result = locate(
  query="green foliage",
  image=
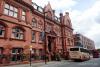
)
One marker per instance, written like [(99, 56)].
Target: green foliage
[(98, 50)]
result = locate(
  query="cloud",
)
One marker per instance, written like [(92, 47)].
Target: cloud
[(88, 22), (59, 5), (56, 3)]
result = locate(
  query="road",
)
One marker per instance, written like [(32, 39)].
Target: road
[(64, 63), (91, 63)]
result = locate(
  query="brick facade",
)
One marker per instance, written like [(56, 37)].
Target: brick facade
[(22, 24)]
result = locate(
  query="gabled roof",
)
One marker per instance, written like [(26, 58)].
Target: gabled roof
[(67, 19), (48, 9)]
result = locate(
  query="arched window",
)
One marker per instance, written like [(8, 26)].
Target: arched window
[(17, 33), (40, 36), (34, 22), (2, 30), (40, 25), (33, 36), (1, 50)]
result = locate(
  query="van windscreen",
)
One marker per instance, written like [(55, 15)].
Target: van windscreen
[(74, 49)]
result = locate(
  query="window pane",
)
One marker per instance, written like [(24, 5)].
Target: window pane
[(13, 35), (17, 33), (14, 51), (34, 22), (10, 13), (17, 30), (23, 17), (33, 35), (15, 9), (23, 12), (6, 6), (21, 36), (15, 15), (6, 11), (2, 33), (14, 30), (11, 7), (40, 36), (40, 9), (35, 7)]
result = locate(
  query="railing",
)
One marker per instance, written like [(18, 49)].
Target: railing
[(40, 9)]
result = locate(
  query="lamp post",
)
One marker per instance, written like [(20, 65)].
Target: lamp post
[(30, 55), (45, 37)]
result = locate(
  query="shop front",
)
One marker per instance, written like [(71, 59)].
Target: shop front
[(17, 54)]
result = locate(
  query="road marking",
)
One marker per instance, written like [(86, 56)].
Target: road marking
[(94, 64)]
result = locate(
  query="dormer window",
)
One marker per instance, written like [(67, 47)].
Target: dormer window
[(40, 9)]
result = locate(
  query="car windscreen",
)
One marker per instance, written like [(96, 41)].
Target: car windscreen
[(74, 49)]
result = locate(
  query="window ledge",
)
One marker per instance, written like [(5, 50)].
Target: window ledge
[(33, 41), (40, 42), (17, 39), (3, 38), (11, 16)]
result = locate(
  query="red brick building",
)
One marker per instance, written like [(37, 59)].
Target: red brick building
[(22, 24)]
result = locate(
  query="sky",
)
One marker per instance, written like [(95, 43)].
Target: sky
[(84, 14)]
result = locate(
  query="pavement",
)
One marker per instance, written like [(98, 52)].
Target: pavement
[(36, 64), (95, 62)]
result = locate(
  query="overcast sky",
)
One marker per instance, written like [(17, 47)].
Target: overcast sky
[(85, 15)]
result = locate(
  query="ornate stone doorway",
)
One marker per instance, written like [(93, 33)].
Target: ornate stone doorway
[(51, 43)]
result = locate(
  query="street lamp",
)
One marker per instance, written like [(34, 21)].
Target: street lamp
[(45, 43), (30, 54)]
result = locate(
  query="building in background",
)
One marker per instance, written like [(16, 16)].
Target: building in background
[(22, 24), (82, 41)]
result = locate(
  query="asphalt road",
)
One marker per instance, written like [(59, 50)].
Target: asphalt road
[(95, 62), (91, 63)]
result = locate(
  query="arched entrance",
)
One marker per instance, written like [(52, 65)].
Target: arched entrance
[(51, 38), (51, 43)]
